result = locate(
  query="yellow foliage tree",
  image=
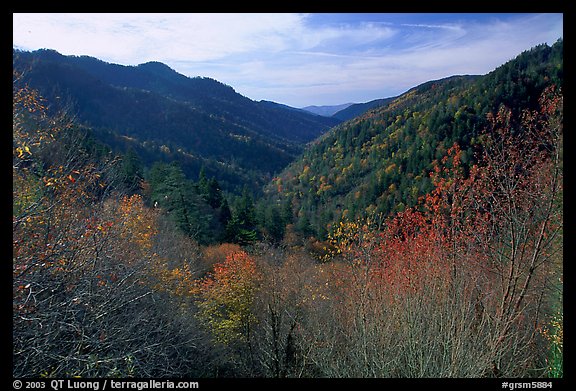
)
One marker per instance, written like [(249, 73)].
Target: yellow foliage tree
[(226, 298)]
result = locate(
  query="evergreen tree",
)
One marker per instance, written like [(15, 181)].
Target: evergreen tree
[(202, 181), (225, 212), (241, 227), (131, 170), (245, 209), (213, 194), (303, 225), (236, 232), (287, 215), (177, 196), (274, 223)]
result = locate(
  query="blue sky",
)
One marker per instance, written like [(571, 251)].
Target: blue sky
[(298, 59)]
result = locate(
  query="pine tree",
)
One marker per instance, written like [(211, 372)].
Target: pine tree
[(242, 226), (274, 223), (213, 194), (132, 170), (225, 212), (176, 195)]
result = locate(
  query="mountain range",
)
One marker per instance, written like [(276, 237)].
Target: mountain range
[(327, 162), (347, 111), (327, 111), (422, 237), (164, 115), (379, 162)]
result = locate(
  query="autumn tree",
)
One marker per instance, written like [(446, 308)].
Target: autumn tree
[(226, 297), (470, 272), (522, 161), (285, 308), (84, 263)]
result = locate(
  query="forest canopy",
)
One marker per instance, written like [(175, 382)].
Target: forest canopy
[(421, 239)]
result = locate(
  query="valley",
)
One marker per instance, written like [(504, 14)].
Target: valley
[(167, 226)]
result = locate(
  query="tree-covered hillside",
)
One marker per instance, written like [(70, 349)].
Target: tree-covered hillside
[(163, 115), (120, 272), (358, 109), (380, 162)]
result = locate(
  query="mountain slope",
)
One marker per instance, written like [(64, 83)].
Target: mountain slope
[(380, 162), (164, 115), (357, 109), (327, 111)]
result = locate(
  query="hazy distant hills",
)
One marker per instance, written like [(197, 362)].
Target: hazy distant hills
[(326, 111), (347, 111), (357, 109), (164, 115)]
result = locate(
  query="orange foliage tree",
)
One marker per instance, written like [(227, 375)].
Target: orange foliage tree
[(470, 271), (226, 296), (84, 262)]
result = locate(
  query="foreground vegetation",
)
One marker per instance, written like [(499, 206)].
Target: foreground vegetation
[(107, 282)]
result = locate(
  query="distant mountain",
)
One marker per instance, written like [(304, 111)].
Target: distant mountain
[(164, 115), (271, 104), (379, 162), (326, 111), (357, 109)]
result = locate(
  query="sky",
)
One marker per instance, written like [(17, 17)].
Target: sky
[(298, 59)]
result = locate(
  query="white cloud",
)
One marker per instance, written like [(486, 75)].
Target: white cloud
[(135, 38), (293, 58)]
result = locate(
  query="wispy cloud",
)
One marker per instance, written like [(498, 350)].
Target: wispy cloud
[(297, 59)]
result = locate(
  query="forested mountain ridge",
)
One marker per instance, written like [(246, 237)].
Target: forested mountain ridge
[(358, 109), (164, 115), (173, 278), (379, 162), (327, 111)]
